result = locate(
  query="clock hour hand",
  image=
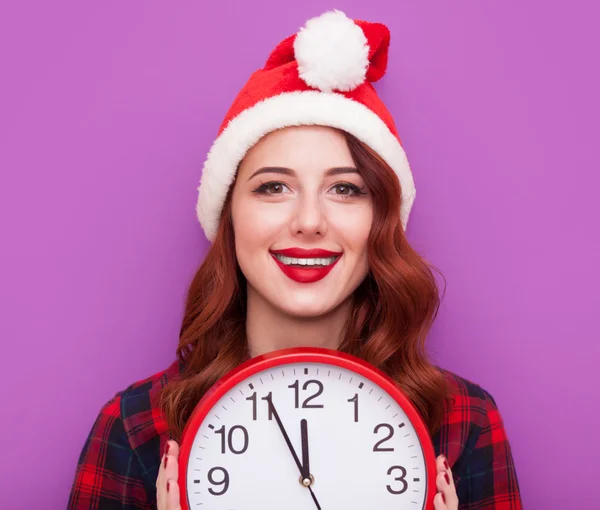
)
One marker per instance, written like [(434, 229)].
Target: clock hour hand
[(305, 471)]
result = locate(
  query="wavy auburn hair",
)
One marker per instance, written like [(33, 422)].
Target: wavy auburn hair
[(393, 309)]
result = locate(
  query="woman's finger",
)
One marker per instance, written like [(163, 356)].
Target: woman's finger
[(168, 470), (438, 502), (161, 497), (445, 484), (173, 501)]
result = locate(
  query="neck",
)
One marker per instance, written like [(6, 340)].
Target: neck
[(269, 329)]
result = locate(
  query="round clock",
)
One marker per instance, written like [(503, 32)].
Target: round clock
[(302, 429)]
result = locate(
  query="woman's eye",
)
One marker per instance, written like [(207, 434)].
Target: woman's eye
[(271, 188), (348, 189)]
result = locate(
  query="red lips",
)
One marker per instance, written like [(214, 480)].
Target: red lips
[(303, 253), (306, 274)]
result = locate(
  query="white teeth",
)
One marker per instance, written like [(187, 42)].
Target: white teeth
[(288, 261)]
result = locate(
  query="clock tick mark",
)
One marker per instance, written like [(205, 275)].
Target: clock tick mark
[(211, 426), (241, 392), (407, 435), (340, 376), (371, 391), (328, 373), (416, 479), (411, 445), (294, 371), (224, 408), (282, 373), (218, 418), (388, 406), (317, 371), (232, 399), (361, 385), (272, 378), (196, 481), (379, 398), (251, 386), (261, 381), (306, 371), (401, 425), (395, 415)]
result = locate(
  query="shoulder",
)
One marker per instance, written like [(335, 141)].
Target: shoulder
[(133, 416), (468, 414), (123, 449), (478, 449), (135, 408), (143, 421)]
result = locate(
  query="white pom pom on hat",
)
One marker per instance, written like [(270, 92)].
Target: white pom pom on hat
[(322, 75), (332, 53)]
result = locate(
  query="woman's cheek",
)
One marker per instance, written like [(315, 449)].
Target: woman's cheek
[(254, 220), (353, 223)]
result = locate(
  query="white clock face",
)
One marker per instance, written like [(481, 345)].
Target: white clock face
[(361, 449)]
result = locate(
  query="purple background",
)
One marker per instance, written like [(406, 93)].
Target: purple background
[(107, 111)]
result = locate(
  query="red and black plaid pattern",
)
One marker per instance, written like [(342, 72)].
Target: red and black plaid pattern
[(119, 462)]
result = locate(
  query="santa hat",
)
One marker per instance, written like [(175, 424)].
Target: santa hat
[(323, 76)]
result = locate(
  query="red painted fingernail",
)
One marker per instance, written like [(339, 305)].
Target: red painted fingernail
[(166, 459), (447, 478), (443, 497), (167, 486), (167, 448)]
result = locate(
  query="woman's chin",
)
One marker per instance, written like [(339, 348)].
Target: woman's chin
[(305, 310)]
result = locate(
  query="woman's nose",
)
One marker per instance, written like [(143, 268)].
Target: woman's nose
[(309, 216)]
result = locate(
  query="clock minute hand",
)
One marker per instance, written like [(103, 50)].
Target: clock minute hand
[(283, 432), (289, 443)]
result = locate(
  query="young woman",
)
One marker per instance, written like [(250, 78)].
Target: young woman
[(305, 196)]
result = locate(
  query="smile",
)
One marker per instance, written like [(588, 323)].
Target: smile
[(291, 261), (306, 266)]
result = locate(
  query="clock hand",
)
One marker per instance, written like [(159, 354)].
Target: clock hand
[(305, 462), (314, 498), (305, 471), (269, 400)]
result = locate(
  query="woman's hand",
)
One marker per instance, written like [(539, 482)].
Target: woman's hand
[(167, 486), (446, 498)]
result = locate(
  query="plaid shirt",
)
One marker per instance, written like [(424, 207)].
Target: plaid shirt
[(119, 463)]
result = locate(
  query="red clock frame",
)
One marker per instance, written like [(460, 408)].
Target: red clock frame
[(303, 355)]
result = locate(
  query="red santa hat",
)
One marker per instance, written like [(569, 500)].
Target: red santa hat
[(321, 75)]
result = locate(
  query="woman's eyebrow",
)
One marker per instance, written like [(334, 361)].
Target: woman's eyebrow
[(288, 171)]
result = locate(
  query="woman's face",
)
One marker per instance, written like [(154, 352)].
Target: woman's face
[(298, 188)]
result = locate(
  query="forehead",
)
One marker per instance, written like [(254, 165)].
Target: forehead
[(299, 147)]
